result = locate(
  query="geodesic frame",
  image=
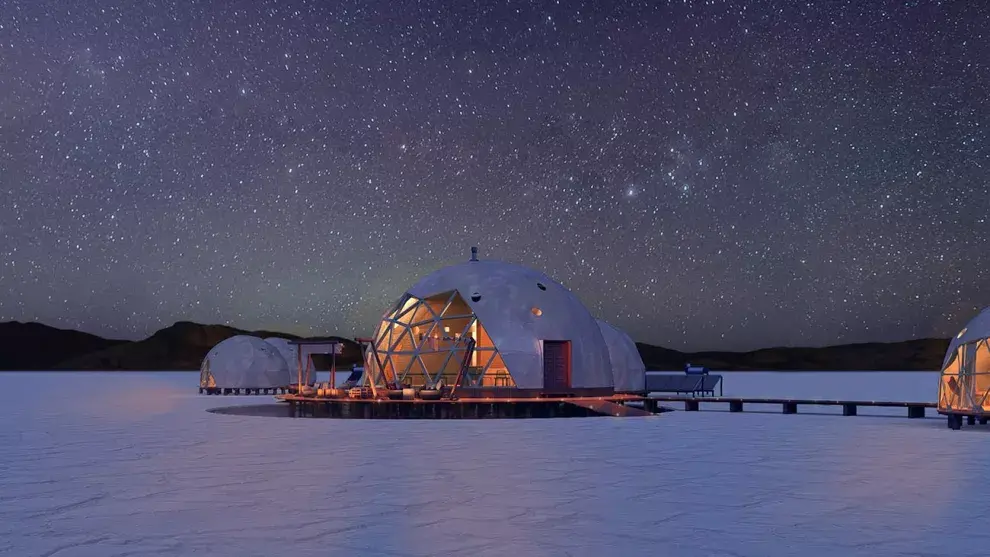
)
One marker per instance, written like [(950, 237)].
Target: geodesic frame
[(965, 380), (423, 341)]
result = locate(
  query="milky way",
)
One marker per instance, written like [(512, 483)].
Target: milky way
[(702, 174)]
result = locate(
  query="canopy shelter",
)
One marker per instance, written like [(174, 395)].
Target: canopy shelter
[(303, 361), (965, 382)]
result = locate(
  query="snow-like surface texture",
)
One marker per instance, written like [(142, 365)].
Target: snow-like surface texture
[(244, 361), (115, 464), (628, 370), (506, 295)]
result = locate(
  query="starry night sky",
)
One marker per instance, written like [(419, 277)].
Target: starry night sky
[(702, 174)]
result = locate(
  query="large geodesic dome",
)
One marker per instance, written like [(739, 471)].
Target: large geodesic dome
[(243, 362), (628, 370), (965, 381), (494, 325), (290, 354)]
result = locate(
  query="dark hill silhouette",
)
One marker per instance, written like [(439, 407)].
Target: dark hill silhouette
[(912, 355), (33, 346), (182, 346)]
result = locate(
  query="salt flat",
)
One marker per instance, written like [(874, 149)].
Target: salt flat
[(131, 464)]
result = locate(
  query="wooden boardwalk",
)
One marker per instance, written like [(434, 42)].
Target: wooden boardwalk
[(790, 405), (619, 405)]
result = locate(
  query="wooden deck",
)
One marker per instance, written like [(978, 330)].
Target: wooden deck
[(464, 408), (617, 405), (790, 405)]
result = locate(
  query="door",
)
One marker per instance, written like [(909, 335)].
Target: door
[(556, 365)]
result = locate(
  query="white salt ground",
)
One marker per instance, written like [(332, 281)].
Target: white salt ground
[(131, 465)]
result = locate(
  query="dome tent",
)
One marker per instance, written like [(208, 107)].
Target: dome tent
[(965, 381), (498, 324), (291, 356), (243, 362), (628, 370)]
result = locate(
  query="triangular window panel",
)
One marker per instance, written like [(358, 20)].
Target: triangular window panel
[(425, 340), (497, 374), (402, 342), (417, 376), (476, 367), (423, 314), (386, 339), (434, 362), (457, 307), (444, 309), (389, 376), (405, 314), (484, 360), (481, 338), (401, 364), (465, 332)]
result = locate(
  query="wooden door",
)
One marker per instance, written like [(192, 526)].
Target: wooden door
[(556, 365)]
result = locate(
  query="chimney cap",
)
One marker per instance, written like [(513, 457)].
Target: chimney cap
[(474, 253)]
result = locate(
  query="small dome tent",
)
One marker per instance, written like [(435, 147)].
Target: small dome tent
[(243, 362), (628, 370), (965, 381), (290, 354), (494, 324)]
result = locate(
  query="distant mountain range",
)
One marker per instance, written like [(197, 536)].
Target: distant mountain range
[(33, 346), (912, 355)]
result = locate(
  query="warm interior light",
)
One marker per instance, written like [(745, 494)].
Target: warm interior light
[(446, 329), (537, 311)]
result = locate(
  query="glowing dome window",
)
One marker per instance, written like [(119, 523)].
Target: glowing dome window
[(537, 311), (965, 380), (423, 342)]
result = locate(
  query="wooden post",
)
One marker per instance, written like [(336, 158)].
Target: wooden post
[(691, 405), (333, 367), (970, 420), (954, 421), (790, 408), (298, 368), (848, 409), (735, 406), (916, 411)]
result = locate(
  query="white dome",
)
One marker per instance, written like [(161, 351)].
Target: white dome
[(628, 371), (520, 308), (976, 330), (244, 362), (291, 357)]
